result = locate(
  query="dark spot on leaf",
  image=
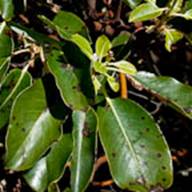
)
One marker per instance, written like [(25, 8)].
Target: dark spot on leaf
[(140, 133), (142, 146), (145, 163), (147, 129), (23, 129), (13, 117), (86, 131), (142, 118), (163, 167), (160, 136), (113, 154), (76, 88), (159, 155), (164, 179)]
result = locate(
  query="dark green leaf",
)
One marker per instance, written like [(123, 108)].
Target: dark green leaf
[(31, 130), (66, 82), (13, 84), (138, 155), (4, 64), (84, 133), (66, 24), (121, 39), (6, 47), (70, 23), (50, 168), (144, 12), (6, 9), (172, 92)]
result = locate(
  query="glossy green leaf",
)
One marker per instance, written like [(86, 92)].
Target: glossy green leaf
[(172, 36), (103, 46), (84, 134), (132, 3), (172, 92), (31, 130), (66, 82), (138, 155), (6, 9), (83, 44), (124, 66), (113, 83), (66, 24), (4, 64), (121, 39), (50, 168), (12, 85), (70, 23), (144, 12), (6, 48)]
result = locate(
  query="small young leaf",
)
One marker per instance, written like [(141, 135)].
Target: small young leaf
[(188, 14), (15, 82), (100, 67), (83, 44), (97, 84), (113, 83), (67, 82), (175, 6), (84, 134), (125, 67), (42, 174), (135, 147), (31, 130), (103, 46), (172, 36), (173, 92), (144, 12), (6, 9), (121, 39)]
